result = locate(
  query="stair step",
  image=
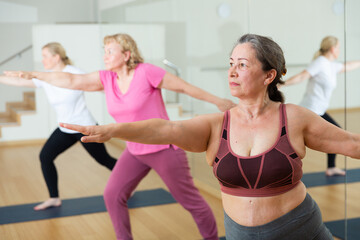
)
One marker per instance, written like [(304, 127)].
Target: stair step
[(6, 121), (29, 99), (23, 109), (20, 107), (14, 110)]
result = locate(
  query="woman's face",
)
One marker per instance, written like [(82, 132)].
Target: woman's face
[(114, 56), (246, 77), (49, 60)]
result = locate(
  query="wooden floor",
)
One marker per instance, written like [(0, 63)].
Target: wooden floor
[(21, 182)]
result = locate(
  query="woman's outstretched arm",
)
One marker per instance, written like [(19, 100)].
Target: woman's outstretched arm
[(16, 81), (85, 82), (176, 84), (300, 77), (191, 135), (351, 65), (320, 135)]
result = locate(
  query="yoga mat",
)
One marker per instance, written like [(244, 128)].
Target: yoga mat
[(337, 228), (320, 179), (78, 206)]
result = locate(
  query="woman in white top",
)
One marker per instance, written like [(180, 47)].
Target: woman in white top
[(322, 73), (69, 106)]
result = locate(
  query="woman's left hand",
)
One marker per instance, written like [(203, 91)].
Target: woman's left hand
[(94, 133), (21, 74)]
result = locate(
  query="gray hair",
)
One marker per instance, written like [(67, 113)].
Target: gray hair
[(271, 56)]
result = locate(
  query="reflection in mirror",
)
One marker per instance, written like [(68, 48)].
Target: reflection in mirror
[(352, 117)]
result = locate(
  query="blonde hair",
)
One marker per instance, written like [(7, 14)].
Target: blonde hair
[(128, 44), (56, 48), (326, 44)]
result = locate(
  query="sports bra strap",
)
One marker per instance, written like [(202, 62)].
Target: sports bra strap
[(226, 120)]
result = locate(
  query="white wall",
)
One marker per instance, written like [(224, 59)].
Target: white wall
[(18, 29)]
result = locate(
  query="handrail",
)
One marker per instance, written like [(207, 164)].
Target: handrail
[(15, 55), (172, 66)]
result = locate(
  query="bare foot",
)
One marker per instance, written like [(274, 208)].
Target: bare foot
[(335, 172), (51, 202)]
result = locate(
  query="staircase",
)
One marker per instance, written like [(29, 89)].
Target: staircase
[(14, 110)]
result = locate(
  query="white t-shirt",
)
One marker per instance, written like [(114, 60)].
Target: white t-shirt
[(68, 104), (321, 84)]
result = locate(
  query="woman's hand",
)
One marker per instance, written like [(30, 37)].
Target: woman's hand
[(21, 74), (94, 133)]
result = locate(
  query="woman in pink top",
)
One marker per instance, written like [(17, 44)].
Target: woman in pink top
[(255, 148), (132, 90)]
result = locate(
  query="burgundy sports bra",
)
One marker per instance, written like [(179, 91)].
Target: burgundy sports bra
[(273, 172)]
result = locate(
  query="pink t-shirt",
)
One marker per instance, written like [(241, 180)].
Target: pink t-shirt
[(142, 101)]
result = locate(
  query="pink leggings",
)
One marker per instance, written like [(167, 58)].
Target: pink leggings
[(173, 168)]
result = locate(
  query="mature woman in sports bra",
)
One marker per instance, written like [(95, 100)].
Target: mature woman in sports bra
[(255, 148)]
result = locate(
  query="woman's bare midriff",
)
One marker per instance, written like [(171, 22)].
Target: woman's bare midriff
[(255, 211)]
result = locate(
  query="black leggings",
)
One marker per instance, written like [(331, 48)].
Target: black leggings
[(331, 156), (57, 143)]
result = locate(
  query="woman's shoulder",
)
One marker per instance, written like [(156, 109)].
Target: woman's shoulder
[(321, 60), (107, 74), (212, 122), (147, 67), (293, 108), (299, 113)]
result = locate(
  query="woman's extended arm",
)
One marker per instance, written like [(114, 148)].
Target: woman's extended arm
[(86, 82), (191, 135), (174, 83), (351, 65), (16, 81), (302, 76), (323, 136)]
